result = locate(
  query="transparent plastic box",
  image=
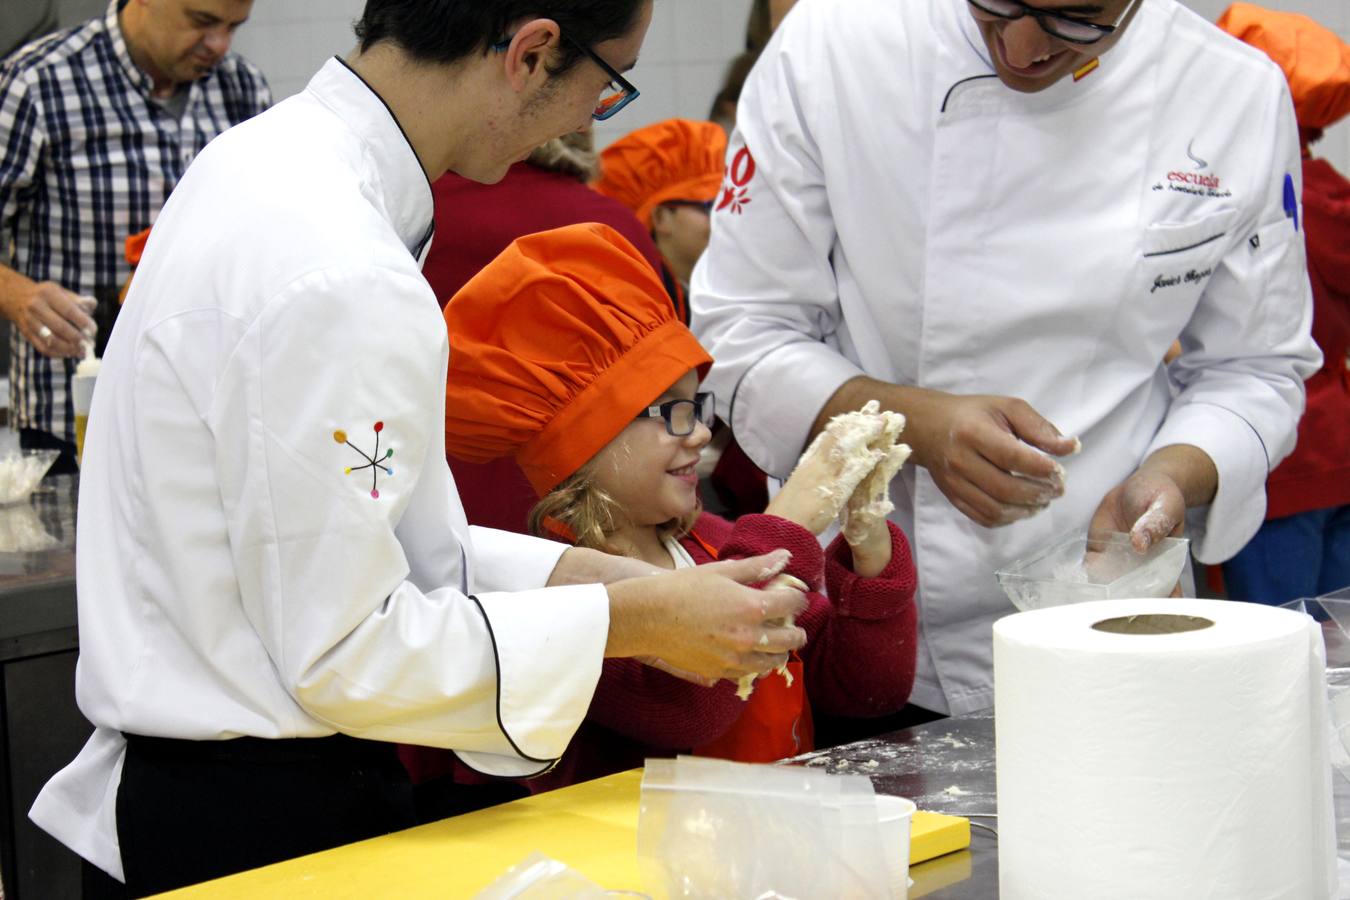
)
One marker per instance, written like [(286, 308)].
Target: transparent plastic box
[(1077, 568), (20, 472)]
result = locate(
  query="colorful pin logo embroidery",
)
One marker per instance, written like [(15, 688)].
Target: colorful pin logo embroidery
[(374, 461)]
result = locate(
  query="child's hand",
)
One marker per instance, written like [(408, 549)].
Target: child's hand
[(863, 517), (829, 471)]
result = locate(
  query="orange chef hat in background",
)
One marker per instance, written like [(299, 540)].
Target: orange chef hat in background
[(555, 346), (1314, 59), (677, 159), (134, 246)]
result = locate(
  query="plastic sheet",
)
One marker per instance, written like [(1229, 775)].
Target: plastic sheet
[(539, 877), (715, 829)]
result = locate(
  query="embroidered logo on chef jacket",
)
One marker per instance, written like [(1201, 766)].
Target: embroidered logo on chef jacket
[(1196, 182), (374, 462), (736, 182)]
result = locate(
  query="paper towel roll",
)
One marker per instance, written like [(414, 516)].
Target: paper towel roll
[(1181, 765)]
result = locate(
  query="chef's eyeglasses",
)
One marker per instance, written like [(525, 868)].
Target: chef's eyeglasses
[(1066, 28), (619, 92), (705, 205), (683, 416)]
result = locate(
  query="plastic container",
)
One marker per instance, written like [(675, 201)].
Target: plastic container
[(82, 393), (893, 817), (1101, 566), (20, 472)]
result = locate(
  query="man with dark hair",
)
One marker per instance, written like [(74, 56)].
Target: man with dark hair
[(276, 576), (474, 27)]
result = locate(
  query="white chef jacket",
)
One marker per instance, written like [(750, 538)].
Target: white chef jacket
[(233, 579), (890, 208)]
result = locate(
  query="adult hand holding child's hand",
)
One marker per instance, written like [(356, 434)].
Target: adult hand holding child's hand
[(706, 622)]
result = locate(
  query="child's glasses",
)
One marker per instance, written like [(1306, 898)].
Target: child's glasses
[(682, 416)]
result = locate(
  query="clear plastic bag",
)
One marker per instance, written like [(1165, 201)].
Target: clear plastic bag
[(715, 829), (539, 877)]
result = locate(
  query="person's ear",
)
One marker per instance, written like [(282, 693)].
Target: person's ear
[(663, 220), (532, 46)]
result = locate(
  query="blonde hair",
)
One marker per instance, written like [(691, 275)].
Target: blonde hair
[(584, 514), (572, 154)]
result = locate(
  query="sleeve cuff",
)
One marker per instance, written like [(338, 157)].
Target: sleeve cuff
[(505, 561), (879, 597), (1218, 531), (547, 665), (773, 408)]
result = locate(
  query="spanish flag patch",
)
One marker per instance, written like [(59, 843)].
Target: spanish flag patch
[(1086, 69)]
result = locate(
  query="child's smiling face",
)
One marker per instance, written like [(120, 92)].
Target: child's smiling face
[(648, 472)]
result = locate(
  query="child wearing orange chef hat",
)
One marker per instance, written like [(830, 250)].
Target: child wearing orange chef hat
[(566, 354), (668, 173), (1303, 548)]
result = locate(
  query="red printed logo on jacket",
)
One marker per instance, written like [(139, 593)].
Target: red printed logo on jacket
[(736, 182)]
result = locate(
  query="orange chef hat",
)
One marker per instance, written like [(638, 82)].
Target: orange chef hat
[(134, 246), (555, 346), (677, 159), (1314, 59)]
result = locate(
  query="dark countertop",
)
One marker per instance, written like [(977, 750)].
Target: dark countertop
[(37, 570), (945, 766)]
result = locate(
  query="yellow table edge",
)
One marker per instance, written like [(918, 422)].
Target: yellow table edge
[(590, 826)]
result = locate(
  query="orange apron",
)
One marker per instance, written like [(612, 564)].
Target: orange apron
[(775, 722)]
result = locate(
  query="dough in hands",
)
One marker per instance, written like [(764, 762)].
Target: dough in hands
[(745, 685), (870, 502), (841, 456)]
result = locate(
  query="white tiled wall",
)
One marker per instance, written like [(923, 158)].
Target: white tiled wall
[(687, 48), (290, 39), (682, 62)]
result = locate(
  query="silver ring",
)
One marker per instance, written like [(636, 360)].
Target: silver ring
[(44, 333)]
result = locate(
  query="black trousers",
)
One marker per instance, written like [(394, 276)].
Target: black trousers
[(189, 811)]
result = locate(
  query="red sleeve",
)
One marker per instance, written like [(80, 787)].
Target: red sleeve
[(1326, 207), (660, 710), (860, 652), (757, 534), (861, 662)]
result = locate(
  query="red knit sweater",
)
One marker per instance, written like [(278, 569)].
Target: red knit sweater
[(1317, 474)]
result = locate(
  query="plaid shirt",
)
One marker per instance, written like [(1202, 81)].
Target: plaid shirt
[(86, 159)]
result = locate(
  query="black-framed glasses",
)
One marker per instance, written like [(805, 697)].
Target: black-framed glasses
[(619, 92), (705, 205), (683, 416), (1066, 28)]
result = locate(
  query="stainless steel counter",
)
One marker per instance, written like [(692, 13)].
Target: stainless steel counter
[(40, 727), (37, 571), (945, 766)]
